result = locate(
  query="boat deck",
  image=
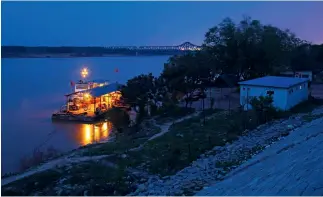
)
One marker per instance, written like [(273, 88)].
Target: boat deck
[(89, 112)]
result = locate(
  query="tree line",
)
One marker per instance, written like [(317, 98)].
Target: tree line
[(248, 49), (17, 51)]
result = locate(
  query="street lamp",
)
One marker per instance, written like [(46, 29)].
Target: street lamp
[(84, 72)]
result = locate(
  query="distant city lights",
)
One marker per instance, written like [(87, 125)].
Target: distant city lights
[(187, 46)]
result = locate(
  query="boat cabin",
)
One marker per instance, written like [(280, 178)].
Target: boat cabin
[(93, 101), (85, 85)]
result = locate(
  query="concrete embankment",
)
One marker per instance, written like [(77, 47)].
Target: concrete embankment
[(292, 166)]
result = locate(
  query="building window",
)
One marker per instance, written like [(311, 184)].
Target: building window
[(270, 92)]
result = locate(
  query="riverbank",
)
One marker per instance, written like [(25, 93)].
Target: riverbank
[(180, 157), (77, 158), (70, 55)]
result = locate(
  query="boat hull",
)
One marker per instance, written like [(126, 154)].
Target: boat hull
[(72, 118)]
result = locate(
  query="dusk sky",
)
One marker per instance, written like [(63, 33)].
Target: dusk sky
[(145, 23)]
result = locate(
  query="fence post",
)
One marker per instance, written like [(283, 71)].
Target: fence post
[(209, 140), (189, 150)]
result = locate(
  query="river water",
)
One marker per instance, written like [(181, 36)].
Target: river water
[(33, 88)]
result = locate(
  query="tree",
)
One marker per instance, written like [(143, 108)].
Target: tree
[(136, 92), (143, 90), (249, 49)]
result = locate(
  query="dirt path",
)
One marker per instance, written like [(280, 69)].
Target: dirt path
[(293, 167), (165, 127)]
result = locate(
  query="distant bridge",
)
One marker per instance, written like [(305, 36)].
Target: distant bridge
[(186, 46)]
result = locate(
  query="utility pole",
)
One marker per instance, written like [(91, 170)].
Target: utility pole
[(203, 112)]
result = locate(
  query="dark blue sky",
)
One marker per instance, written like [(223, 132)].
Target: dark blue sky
[(145, 23)]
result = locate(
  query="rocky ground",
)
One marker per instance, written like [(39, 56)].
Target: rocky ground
[(291, 167), (215, 164)]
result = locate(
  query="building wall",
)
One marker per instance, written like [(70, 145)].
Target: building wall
[(297, 94), (305, 74), (279, 96), (283, 99), (299, 74)]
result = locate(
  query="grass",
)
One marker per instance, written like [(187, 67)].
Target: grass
[(94, 177), (184, 143), (124, 141), (304, 107), (310, 117), (31, 184), (172, 114), (100, 179), (307, 106), (209, 111), (128, 140)]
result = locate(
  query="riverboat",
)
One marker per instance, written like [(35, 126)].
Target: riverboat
[(89, 100)]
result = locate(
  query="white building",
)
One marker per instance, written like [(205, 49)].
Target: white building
[(298, 74), (286, 91)]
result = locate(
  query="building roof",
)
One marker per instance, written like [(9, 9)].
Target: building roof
[(99, 81), (93, 81), (274, 81), (99, 91)]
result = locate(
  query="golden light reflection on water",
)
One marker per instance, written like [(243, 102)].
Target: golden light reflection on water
[(94, 132)]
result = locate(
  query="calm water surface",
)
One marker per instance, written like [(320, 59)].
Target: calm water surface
[(32, 89)]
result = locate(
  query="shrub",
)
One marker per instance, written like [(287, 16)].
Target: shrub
[(261, 102), (237, 90), (37, 158), (265, 111), (118, 117)]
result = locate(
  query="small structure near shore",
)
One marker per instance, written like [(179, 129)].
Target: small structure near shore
[(86, 105), (298, 74), (286, 91)]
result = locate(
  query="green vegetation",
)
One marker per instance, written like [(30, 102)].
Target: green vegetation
[(266, 112), (32, 184), (99, 179), (307, 106), (184, 143), (118, 117), (172, 113), (310, 117), (94, 178), (124, 141)]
